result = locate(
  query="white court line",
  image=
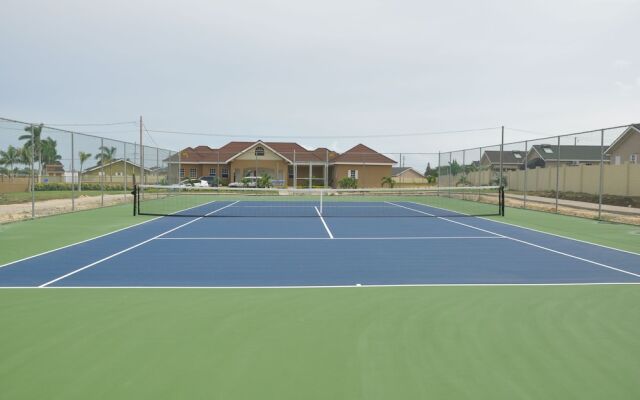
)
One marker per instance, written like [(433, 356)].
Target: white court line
[(523, 242), (97, 237), (324, 223), (329, 238), (132, 247), (529, 229), (400, 285)]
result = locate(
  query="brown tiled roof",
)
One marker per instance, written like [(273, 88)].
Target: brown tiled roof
[(361, 154), (292, 151)]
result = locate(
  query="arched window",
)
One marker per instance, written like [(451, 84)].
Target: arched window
[(259, 151)]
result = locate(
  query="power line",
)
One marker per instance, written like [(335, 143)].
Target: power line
[(97, 124), (227, 135)]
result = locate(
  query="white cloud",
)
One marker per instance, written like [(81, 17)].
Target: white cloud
[(638, 81), (623, 86)]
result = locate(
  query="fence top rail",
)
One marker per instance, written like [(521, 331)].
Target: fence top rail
[(542, 138), (78, 133)]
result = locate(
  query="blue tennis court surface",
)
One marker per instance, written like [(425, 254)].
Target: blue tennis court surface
[(402, 248)]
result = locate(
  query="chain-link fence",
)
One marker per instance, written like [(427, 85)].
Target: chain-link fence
[(594, 174), (45, 171)]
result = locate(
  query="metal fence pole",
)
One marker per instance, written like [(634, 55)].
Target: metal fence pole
[(33, 177), (295, 171), (501, 151), (158, 166), (326, 169), (558, 175), (73, 174), (126, 180), (601, 183), (438, 177), (479, 182), (526, 168), (101, 172)]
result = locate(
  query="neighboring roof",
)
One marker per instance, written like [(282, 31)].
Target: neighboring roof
[(395, 171), (54, 167), (361, 154), (549, 152), (620, 139), (508, 156), (97, 166)]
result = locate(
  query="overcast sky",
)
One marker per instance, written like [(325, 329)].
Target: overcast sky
[(328, 67)]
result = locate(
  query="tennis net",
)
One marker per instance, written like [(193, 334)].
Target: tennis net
[(255, 202)]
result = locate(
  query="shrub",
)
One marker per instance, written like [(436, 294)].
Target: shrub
[(348, 183)]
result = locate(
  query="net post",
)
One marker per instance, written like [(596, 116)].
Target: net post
[(321, 202), (101, 172), (558, 175), (135, 200), (73, 174)]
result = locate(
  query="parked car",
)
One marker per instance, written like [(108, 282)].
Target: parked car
[(212, 181), (194, 183), (247, 181)]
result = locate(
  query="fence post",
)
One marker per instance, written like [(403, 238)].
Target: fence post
[(295, 171), (526, 168), (438, 177), (33, 177), (73, 174), (601, 183), (501, 151), (101, 172), (124, 158), (558, 174)]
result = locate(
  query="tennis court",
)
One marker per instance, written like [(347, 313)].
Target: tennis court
[(270, 240)]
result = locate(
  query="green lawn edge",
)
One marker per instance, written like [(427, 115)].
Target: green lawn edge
[(533, 342)]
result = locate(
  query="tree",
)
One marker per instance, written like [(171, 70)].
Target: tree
[(454, 168), (83, 157), (10, 157), (33, 145), (387, 180), (428, 172), (49, 153), (106, 155)]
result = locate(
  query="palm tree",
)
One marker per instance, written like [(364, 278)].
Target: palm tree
[(387, 180), (10, 157), (106, 156), (83, 157), (34, 145), (49, 153)]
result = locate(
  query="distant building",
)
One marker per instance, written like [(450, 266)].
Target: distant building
[(547, 155), (511, 160), (626, 148), (407, 175), (287, 163)]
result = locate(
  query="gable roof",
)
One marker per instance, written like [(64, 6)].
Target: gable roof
[(549, 152), (361, 154), (117, 160), (508, 156), (207, 155), (635, 128)]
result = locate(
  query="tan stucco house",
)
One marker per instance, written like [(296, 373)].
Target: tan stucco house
[(626, 148), (287, 163)]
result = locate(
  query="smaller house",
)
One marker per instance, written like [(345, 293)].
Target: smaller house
[(362, 163), (626, 148), (511, 160), (114, 169), (54, 169), (407, 175), (547, 155)]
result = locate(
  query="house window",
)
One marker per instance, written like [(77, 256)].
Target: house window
[(352, 173), (616, 160), (259, 151), (548, 150), (633, 158), (224, 172), (212, 172), (181, 172), (290, 171), (193, 173), (517, 155)]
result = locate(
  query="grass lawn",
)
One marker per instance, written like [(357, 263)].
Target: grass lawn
[(351, 343), (25, 197)]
